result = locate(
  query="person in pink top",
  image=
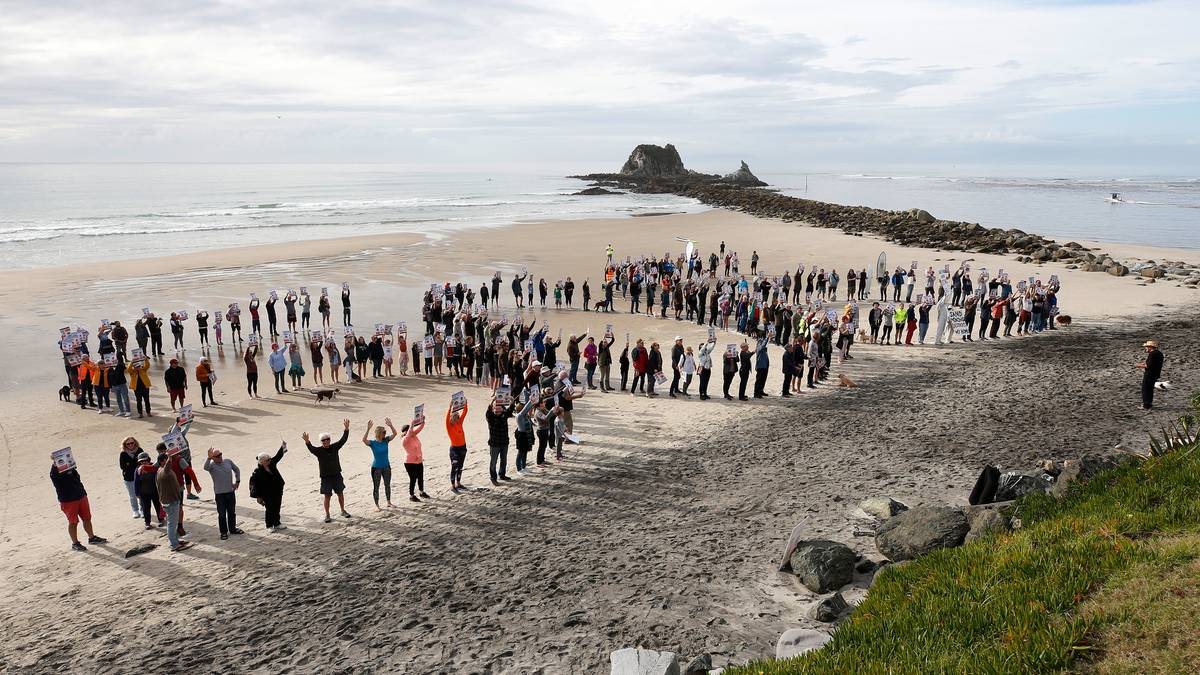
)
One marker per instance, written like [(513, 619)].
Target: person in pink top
[(414, 463)]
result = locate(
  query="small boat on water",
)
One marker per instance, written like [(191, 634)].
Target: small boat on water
[(1115, 199)]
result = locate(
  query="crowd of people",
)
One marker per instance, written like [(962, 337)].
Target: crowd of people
[(468, 337)]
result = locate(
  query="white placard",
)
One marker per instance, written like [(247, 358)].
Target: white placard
[(458, 400), (186, 414), (418, 414), (64, 459), (174, 442)]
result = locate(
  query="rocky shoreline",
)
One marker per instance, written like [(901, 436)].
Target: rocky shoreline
[(656, 170)]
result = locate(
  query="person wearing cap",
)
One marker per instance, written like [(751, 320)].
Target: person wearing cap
[(205, 376), (676, 360), (226, 477), (330, 468), (266, 486), (175, 378), (170, 493), (146, 486), (1151, 370), (73, 501)]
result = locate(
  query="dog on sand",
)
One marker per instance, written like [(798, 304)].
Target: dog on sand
[(65, 393), (323, 394), (846, 382)]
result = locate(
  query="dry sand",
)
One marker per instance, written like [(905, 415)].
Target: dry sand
[(661, 529)]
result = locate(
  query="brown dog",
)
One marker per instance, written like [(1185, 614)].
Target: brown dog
[(846, 382), (323, 394)]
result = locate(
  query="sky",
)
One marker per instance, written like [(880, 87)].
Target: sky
[(1066, 87)]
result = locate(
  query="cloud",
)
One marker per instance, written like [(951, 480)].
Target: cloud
[(505, 79)]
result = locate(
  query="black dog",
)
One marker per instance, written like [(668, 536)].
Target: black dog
[(65, 393), (323, 394)]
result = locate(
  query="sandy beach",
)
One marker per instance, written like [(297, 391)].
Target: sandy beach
[(662, 528)]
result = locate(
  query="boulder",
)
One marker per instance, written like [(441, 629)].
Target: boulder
[(1085, 467), (882, 507), (648, 160), (921, 216), (920, 530), (1042, 254), (643, 662), (984, 522), (1151, 272), (1015, 484), (699, 665), (593, 191), (797, 641), (823, 565), (1117, 270), (828, 609), (743, 176)]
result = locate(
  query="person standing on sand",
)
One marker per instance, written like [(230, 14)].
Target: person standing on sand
[(278, 363), (127, 461), (497, 416), (323, 308), (414, 462), (346, 305), (226, 477), (653, 368), (266, 486), (146, 487), (255, 321), (175, 378), (330, 468), (205, 377), (170, 492), (743, 370), (251, 371), (271, 318), (458, 445), (73, 501), (762, 363), (381, 466), (1151, 370)]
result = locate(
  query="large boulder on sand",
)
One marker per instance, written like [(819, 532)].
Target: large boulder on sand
[(1117, 270), (920, 530), (823, 565), (654, 160), (922, 216), (828, 608), (985, 521), (643, 662), (882, 507), (797, 641)]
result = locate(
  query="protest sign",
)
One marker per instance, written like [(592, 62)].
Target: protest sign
[(64, 459), (109, 359), (174, 442), (288, 337), (608, 329), (660, 378), (74, 358), (274, 295), (186, 414), (504, 395), (137, 356), (145, 311), (325, 291), (304, 290), (348, 332), (712, 333), (253, 340), (731, 349), (458, 400), (345, 286), (418, 414), (402, 328)]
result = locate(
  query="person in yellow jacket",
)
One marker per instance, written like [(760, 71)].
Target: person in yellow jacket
[(901, 317), (206, 377), (99, 375), (139, 377), (83, 373)]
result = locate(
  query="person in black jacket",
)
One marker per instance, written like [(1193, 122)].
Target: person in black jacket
[(266, 486), (497, 420), (729, 368), (624, 362), (176, 380), (330, 468), (375, 351), (743, 371), (653, 366), (154, 325), (73, 501), (789, 369), (676, 354), (1151, 370), (346, 305)]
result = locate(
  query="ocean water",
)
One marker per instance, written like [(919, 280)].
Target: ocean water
[(1154, 211), (53, 214)]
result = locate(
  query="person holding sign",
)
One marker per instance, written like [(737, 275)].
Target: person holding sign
[(1151, 370), (497, 416), (458, 439), (381, 467), (330, 468), (706, 365), (323, 308), (346, 304), (73, 500), (278, 363), (206, 377), (414, 461)]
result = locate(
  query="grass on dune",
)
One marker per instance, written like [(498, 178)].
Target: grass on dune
[(1103, 579)]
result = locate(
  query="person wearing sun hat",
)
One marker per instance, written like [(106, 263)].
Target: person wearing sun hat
[(1151, 369)]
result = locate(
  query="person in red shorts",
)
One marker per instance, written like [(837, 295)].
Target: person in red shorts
[(73, 501)]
